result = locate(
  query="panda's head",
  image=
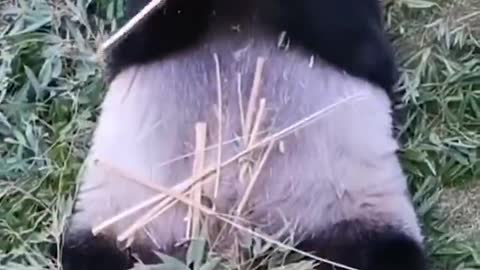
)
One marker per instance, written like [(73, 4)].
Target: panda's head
[(335, 177)]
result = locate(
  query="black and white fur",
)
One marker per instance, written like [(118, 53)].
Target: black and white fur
[(338, 180)]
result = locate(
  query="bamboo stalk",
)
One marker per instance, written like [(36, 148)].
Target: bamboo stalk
[(132, 23), (220, 125), (252, 102), (191, 182), (198, 164)]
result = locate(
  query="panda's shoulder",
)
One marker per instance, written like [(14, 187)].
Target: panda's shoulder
[(175, 26)]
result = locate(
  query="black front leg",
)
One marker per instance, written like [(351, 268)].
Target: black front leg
[(83, 251)]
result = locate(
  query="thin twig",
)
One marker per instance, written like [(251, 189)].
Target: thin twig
[(254, 178), (130, 25), (152, 214), (254, 94), (189, 182), (258, 122), (97, 229), (253, 138), (211, 147), (240, 101), (220, 123), (282, 245), (209, 212), (198, 164)]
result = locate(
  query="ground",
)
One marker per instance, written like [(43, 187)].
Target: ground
[(51, 86), (462, 206)]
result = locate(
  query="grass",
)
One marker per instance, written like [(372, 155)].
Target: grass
[(51, 86)]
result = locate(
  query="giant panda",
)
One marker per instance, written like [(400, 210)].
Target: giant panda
[(338, 179)]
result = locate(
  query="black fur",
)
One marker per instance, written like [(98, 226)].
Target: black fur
[(365, 246), (174, 27), (356, 244), (347, 33), (83, 251)]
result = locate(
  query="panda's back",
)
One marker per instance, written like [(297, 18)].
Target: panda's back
[(329, 176), (340, 166)]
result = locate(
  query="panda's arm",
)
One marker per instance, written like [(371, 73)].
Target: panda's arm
[(347, 33), (172, 27)]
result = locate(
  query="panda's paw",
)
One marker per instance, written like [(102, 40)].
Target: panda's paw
[(82, 250)]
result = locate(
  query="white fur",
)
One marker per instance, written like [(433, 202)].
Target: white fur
[(342, 166)]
